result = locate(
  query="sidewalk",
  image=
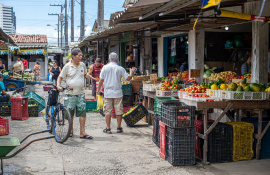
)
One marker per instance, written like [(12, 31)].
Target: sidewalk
[(131, 152)]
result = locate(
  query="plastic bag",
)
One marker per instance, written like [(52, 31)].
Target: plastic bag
[(50, 77), (99, 102)]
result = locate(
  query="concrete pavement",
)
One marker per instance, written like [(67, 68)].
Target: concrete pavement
[(131, 152)]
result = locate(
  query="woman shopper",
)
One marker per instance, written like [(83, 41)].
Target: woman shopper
[(37, 71), (2, 66), (55, 71)]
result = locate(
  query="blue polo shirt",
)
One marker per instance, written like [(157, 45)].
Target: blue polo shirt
[(2, 86)]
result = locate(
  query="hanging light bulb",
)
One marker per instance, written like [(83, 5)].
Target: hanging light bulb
[(226, 28)]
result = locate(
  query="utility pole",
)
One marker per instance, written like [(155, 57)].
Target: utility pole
[(82, 20), (72, 20), (57, 25), (100, 15), (66, 27), (60, 18)]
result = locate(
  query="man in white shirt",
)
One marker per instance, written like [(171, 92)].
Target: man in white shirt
[(110, 78), (74, 73)]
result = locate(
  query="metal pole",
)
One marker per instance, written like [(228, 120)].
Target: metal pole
[(66, 27), (72, 20), (100, 15), (61, 29), (82, 19), (58, 31)]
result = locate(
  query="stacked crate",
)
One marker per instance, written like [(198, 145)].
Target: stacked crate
[(127, 95), (156, 130), (180, 133), (220, 142), (265, 142), (242, 140), (157, 103)]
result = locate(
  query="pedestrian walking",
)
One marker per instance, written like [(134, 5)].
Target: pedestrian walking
[(25, 63), (110, 76), (37, 71), (94, 72), (55, 71), (74, 73)]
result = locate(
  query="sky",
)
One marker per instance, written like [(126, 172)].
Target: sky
[(32, 16)]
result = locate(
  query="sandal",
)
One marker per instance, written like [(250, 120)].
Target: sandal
[(119, 130), (107, 131), (71, 134)]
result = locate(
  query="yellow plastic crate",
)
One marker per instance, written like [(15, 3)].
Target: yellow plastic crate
[(242, 140)]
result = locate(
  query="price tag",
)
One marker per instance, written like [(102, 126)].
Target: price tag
[(195, 73), (153, 76)]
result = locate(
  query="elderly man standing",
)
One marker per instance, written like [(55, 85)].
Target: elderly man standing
[(74, 73), (110, 76)]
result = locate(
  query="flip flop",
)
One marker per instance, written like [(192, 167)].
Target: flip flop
[(86, 137), (71, 134)]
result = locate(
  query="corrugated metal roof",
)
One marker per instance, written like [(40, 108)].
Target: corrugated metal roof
[(6, 38)]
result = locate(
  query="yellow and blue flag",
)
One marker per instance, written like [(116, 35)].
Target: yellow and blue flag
[(209, 3)]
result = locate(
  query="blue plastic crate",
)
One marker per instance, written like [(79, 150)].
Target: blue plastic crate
[(127, 89)]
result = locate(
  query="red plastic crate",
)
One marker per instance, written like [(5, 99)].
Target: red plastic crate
[(199, 129), (47, 87), (19, 108), (4, 126), (113, 115), (163, 131)]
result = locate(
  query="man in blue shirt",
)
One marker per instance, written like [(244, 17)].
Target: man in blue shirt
[(184, 66), (4, 97), (245, 68)]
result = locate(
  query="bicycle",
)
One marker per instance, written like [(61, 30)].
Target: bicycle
[(58, 118)]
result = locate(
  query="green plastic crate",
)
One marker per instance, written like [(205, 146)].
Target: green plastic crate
[(157, 103), (34, 98), (91, 105)]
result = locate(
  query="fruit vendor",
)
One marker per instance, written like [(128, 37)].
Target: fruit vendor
[(94, 72), (74, 73), (245, 68), (110, 76), (184, 66), (25, 63), (4, 97)]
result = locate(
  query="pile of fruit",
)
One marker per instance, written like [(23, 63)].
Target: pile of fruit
[(129, 111), (185, 74), (208, 71), (195, 89), (27, 76), (171, 85), (125, 82), (199, 96), (226, 76), (246, 75)]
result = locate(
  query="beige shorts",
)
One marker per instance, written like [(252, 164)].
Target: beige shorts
[(109, 103)]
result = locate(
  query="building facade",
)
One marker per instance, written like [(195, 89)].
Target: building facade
[(7, 19)]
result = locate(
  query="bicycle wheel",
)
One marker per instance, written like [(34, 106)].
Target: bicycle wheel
[(61, 124)]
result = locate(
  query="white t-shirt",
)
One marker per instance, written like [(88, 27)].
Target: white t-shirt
[(112, 74), (74, 78)]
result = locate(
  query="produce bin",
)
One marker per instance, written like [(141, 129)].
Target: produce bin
[(177, 114), (36, 99), (91, 105), (33, 111), (19, 108), (4, 126), (158, 101), (242, 140), (181, 146), (127, 89), (163, 145), (135, 114), (5, 109), (156, 130), (127, 100), (113, 115)]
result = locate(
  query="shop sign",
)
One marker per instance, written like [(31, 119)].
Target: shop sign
[(153, 76), (32, 52), (195, 73)]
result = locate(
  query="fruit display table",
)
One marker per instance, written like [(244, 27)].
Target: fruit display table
[(257, 106)]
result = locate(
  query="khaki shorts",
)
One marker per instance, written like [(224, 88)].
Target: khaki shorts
[(109, 103)]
